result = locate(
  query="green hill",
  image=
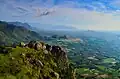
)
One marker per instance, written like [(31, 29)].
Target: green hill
[(34, 61), (12, 34)]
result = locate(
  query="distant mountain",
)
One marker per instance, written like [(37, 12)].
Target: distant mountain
[(90, 33), (10, 33), (26, 25), (49, 27)]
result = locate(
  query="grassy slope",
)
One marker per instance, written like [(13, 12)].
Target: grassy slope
[(23, 63)]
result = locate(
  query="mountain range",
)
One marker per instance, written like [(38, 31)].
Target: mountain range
[(11, 33), (26, 25), (50, 27)]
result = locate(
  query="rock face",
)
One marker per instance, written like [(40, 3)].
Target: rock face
[(36, 45), (48, 47), (58, 52), (60, 55), (31, 44)]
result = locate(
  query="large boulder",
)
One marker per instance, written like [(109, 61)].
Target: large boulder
[(59, 52), (38, 46), (43, 45), (31, 44), (35, 44), (48, 47), (45, 52)]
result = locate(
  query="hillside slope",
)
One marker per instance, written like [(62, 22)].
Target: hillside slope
[(11, 34), (34, 60)]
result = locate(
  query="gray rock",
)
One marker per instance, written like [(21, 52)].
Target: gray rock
[(48, 47), (38, 46), (45, 51)]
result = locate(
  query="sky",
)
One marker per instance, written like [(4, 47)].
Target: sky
[(81, 14)]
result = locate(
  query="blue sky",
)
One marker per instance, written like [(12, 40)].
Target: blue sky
[(82, 14)]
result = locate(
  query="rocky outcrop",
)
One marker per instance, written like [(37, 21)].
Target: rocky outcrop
[(36, 60), (48, 47), (57, 51), (31, 44), (59, 54), (36, 45)]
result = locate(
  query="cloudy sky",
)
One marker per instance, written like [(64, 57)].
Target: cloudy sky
[(82, 14)]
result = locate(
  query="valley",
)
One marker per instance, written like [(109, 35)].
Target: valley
[(89, 56)]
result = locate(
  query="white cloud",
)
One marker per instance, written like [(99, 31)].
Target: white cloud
[(82, 19), (66, 14)]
